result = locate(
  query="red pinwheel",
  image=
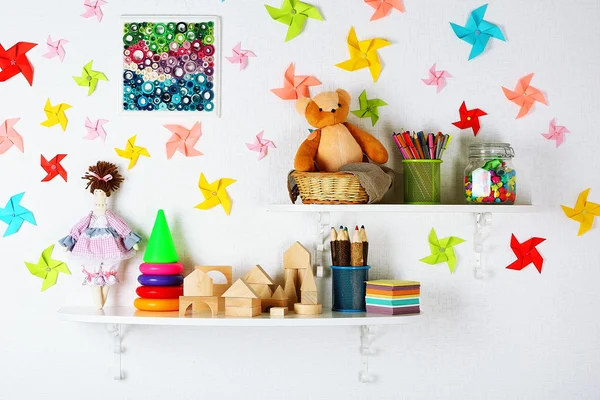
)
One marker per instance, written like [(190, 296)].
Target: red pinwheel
[(14, 61), (469, 118), (53, 168), (526, 253)]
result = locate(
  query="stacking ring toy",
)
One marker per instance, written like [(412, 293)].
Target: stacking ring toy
[(156, 304), (160, 280), (161, 269), (159, 292)]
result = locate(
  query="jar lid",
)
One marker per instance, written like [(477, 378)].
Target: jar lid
[(483, 150)]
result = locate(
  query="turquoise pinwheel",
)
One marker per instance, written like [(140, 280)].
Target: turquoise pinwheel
[(369, 108), (442, 250), (294, 14), (14, 214), (477, 31)]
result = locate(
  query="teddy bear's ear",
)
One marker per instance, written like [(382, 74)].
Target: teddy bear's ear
[(344, 95), (301, 105)]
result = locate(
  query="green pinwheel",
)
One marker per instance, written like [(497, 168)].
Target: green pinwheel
[(48, 268), (442, 250), (294, 14), (90, 78), (369, 108)]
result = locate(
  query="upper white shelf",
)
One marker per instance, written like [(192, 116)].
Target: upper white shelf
[(404, 208), (131, 316)]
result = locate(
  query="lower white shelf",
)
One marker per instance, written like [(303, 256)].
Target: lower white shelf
[(131, 316)]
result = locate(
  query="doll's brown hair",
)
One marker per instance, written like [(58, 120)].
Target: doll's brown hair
[(104, 176)]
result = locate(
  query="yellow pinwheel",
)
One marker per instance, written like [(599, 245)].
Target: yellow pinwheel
[(363, 54), (56, 115), (132, 152), (90, 78), (215, 193), (47, 268), (584, 212)]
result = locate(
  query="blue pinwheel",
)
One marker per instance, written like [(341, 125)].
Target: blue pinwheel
[(477, 31), (14, 214)]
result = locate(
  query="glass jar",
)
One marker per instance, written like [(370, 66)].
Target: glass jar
[(490, 177)]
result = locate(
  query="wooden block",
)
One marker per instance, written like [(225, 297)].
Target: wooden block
[(263, 291), (225, 270), (240, 289), (220, 288), (309, 283), (308, 309), (296, 257), (198, 304), (278, 311), (257, 275), (279, 294), (309, 297), (266, 304), (290, 290), (242, 311), (233, 302), (197, 283)]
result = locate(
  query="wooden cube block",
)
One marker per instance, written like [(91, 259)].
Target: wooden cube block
[(278, 311), (309, 297), (266, 304), (248, 312)]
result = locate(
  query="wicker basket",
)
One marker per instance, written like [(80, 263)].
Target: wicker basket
[(329, 188)]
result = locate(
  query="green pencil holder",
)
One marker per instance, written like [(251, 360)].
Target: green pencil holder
[(422, 181)]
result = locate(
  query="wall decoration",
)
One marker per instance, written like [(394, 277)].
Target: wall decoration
[(89, 78), (14, 214), (383, 7), (477, 32), (584, 212), (9, 137), (469, 118), (294, 14), (132, 152), (437, 78), (55, 115), (240, 56), (48, 268), (363, 54), (526, 253), (53, 168), (215, 193), (295, 86), (184, 140), (95, 129), (171, 64), (555, 132), (442, 250), (525, 95), (369, 107), (260, 145), (14, 61), (93, 9), (56, 49)]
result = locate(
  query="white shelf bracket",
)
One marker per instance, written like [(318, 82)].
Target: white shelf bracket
[(366, 332), (323, 234), (482, 220), (117, 337)]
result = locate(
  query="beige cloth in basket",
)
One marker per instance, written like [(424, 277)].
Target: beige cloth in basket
[(374, 179)]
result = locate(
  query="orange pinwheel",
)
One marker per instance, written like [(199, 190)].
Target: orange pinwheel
[(295, 86), (383, 7), (524, 95)]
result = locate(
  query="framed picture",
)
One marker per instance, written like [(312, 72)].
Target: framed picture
[(171, 64)]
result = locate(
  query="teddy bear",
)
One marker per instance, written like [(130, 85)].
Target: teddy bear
[(335, 142)]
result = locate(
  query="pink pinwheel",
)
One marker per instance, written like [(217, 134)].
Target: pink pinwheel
[(184, 140), (9, 136), (295, 86), (240, 56), (93, 9), (383, 7), (56, 49), (437, 78), (556, 132), (260, 145), (95, 129)]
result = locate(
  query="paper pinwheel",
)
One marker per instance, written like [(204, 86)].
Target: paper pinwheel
[(584, 212), (555, 132), (56, 115), (14, 214), (524, 95), (132, 152), (215, 193), (184, 140), (260, 145), (383, 7), (240, 56), (93, 9), (295, 86), (89, 78), (526, 253), (9, 136), (469, 118), (95, 129), (442, 250), (369, 108), (53, 168), (294, 14), (56, 49), (363, 54), (14, 61), (47, 268), (477, 31), (437, 78)]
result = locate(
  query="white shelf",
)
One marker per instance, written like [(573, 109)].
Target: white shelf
[(404, 208), (131, 316)]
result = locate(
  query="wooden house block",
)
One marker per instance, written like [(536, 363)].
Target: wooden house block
[(308, 290), (197, 283), (198, 304), (308, 309), (242, 311), (279, 294), (234, 302), (240, 289), (278, 311), (257, 275), (296, 257), (266, 304), (263, 291)]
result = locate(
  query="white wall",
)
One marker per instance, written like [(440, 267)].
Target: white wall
[(515, 335)]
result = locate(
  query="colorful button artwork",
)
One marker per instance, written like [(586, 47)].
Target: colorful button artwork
[(169, 66)]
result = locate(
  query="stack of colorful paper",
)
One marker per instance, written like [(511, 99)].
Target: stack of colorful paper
[(393, 297)]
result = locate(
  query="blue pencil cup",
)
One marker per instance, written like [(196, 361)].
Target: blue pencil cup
[(349, 288)]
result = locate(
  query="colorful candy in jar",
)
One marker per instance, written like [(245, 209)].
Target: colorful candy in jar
[(494, 182)]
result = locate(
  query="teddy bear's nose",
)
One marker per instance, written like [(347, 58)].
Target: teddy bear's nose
[(333, 110)]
